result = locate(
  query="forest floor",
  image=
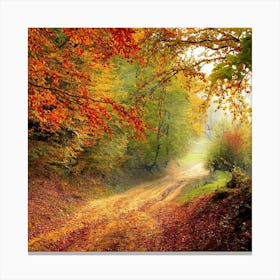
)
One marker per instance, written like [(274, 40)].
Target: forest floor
[(149, 217)]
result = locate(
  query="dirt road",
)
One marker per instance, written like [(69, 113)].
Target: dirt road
[(123, 222)]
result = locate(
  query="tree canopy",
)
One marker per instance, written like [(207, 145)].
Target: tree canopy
[(137, 95)]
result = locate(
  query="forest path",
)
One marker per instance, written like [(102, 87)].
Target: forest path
[(130, 221)]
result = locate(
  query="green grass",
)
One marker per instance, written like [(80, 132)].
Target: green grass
[(205, 186)]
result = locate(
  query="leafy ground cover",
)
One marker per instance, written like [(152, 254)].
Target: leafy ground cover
[(212, 222), (147, 217)]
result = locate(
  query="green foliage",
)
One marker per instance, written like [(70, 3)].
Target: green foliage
[(245, 56), (205, 185), (230, 147), (165, 111), (102, 158), (45, 158), (235, 66)]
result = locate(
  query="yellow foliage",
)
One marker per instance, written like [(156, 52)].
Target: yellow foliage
[(196, 114), (138, 35), (105, 82)]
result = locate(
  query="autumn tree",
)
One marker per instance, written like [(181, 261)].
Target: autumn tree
[(61, 92), (166, 109), (68, 98), (190, 50), (140, 94)]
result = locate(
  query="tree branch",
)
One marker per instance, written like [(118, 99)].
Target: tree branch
[(69, 94)]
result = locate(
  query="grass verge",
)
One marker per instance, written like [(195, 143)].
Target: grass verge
[(205, 185)]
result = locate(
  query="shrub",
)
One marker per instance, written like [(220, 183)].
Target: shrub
[(231, 148), (239, 179)]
